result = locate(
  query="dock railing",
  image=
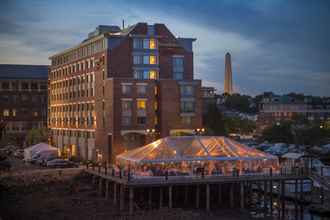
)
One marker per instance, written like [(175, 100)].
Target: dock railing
[(129, 176)]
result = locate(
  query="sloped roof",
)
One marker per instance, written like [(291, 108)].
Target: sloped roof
[(15, 71), (192, 148)]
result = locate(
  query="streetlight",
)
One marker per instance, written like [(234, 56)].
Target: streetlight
[(199, 131), (151, 132)]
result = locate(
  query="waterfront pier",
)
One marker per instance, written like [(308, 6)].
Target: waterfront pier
[(207, 192)]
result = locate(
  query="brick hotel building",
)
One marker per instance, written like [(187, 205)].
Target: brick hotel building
[(122, 88)]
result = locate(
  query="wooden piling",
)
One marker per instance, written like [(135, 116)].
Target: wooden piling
[(219, 194), (150, 198), (114, 193), (170, 197), (131, 200), (231, 196), (160, 197), (186, 195), (242, 195), (122, 196), (197, 196), (106, 189), (207, 197)]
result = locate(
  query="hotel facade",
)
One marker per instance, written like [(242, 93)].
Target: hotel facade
[(120, 89)]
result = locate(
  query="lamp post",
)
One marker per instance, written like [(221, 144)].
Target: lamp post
[(151, 132), (199, 131)]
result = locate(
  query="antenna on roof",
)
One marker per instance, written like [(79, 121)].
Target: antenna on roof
[(123, 23)]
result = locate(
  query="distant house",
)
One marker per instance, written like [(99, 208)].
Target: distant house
[(275, 109)]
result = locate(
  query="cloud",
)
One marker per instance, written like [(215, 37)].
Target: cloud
[(275, 45)]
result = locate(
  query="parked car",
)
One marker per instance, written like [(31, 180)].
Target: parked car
[(46, 160), (61, 163)]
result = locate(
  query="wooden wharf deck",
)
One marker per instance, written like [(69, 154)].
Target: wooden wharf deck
[(235, 191)]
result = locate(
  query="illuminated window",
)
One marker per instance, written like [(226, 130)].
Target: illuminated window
[(141, 104), (6, 112), (35, 114), (152, 59), (152, 74), (14, 112), (145, 74), (73, 150), (156, 90), (156, 120), (155, 105), (152, 44)]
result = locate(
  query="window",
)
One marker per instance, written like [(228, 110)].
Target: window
[(5, 85), (186, 120), (141, 120), (146, 60), (137, 43), (187, 106), (137, 59), (151, 30), (14, 85), (126, 89), (141, 89), (145, 74), (177, 66), (186, 90), (146, 44), (25, 98), (152, 59), (141, 104), (153, 74), (25, 86), (35, 114), (43, 86), (152, 44), (126, 107), (14, 112), (126, 120), (6, 112), (34, 86)]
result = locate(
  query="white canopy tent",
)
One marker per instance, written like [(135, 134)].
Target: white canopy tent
[(193, 148), (41, 148)]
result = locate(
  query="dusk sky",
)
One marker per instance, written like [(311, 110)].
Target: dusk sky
[(276, 45)]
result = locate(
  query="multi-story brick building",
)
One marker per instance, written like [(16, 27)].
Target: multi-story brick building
[(283, 108), (23, 100), (122, 88)]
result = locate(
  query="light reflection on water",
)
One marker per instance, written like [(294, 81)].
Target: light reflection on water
[(259, 210)]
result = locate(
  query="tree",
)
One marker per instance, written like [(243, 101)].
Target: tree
[(213, 120), (240, 103), (36, 135), (280, 132)]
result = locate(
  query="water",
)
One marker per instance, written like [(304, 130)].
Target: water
[(260, 210)]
